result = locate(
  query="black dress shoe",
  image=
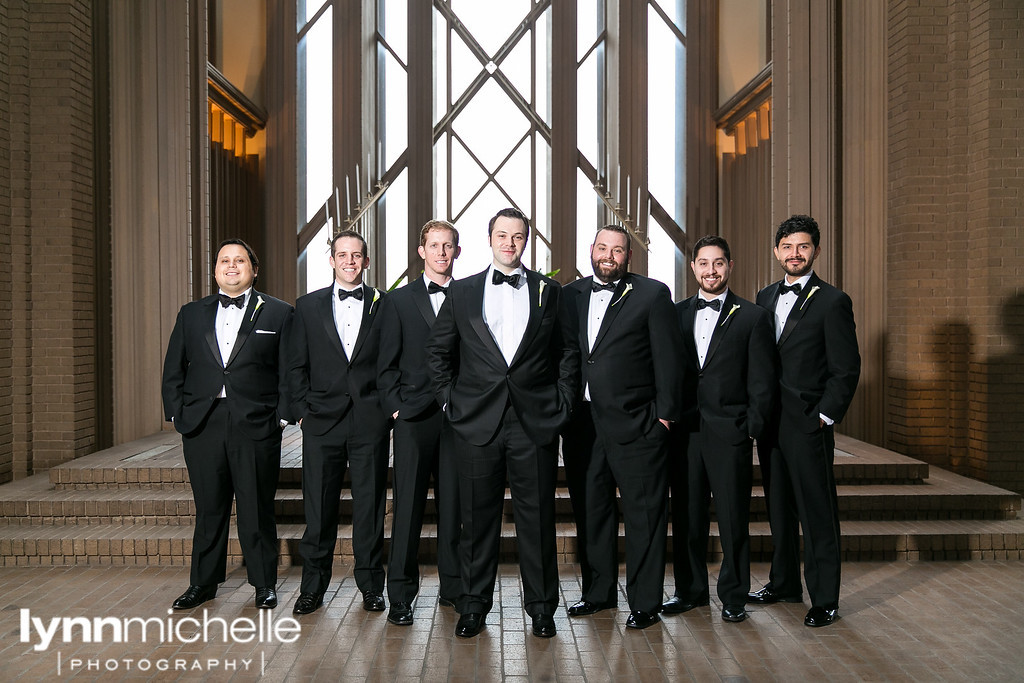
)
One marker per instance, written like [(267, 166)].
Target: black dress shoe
[(820, 616), (543, 626), (445, 602), (400, 614), (307, 603), (641, 619), (373, 602), (195, 596), (767, 596), (470, 624), (266, 597), (733, 613), (585, 608), (678, 605)]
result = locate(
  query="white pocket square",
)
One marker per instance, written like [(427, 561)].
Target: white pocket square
[(265, 332)]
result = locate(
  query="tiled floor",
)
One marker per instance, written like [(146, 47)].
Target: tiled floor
[(900, 621)]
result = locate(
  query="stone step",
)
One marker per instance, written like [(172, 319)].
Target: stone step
[(113, 544)]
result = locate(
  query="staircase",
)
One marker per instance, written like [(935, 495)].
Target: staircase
[(132, 505)]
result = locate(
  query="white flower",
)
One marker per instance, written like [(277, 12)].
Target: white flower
[(259, 302), (814, 289), (629, 286), (732, 310), (540, 292), (376, 296)]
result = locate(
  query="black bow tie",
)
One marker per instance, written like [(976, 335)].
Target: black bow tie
[(355, 294), (714, 303), (226, 300), (599, 287), (783, 288), (434, 288), (499, 277)]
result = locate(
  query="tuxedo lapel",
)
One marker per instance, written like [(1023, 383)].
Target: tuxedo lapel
[(369, 309), (475, 290), (248, 322), (422, 301), (210, 313), (538, 302), (325, 311), (583, 313), (721, 326), (686, 324), (614, 306), (799, 308)]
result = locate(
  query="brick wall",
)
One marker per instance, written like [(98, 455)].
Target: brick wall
[(955, 246), (6, 338), (47, 189)]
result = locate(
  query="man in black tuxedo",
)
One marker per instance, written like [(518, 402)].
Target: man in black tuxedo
[(506, 374), (632, 379), (819, 368), (729, 356), (224, 389), (333, 378), (407, 395)]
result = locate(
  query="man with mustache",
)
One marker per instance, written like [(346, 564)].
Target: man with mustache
[(632, 382), (819, 369)]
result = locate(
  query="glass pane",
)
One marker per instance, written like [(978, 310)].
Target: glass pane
[(465, 67), (517, 68), (675, 10), (441, 208), (316, 139), (319, 273), (307, 9), (589, 24), (396, 110), (665, 262), (515, 177), (666, 117), (587, 110), (491, 124), (466, 177), (472, 225), (395, 210), (586, 222), (542, 212), (543, 85), (491, 22), (394, 26), (441, 102)]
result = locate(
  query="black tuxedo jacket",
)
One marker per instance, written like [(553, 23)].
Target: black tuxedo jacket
[(634, 372), (325, 383), (472, 379), (254, 376), (402, 378), (735, 389), (820, 363)]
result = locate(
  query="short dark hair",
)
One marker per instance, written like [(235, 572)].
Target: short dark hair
[(798, 223), (711, 241), (248, 250), (510, 212), (615, 227), (438, 224), (347, 233)]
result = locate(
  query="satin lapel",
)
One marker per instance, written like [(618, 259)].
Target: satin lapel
[(619, 299), (325, 311), (369, 310), (248, 323), (721, 326), (422, 300), (538, 302), (211, 327), (475, 290), (799, 308), (687, 321), (583, 302)]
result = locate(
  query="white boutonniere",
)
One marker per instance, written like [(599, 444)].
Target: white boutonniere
[(629, 286), (540, 292), (814, 289), (732, 310), (376, 296), (259, 302)]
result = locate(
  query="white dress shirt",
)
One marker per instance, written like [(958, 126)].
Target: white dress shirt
[(348, 316), (229, 320), (437, 298), (507, 312), (704, 324), (784, 306), (595, 315)]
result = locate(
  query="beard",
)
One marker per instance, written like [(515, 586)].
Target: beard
[(608, 271), (718, 288), (796, 270)]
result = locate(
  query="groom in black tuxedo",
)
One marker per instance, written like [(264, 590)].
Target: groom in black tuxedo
[(729, 356), (629, 342), (420, 447), (505, 373), (333, 376), (819, 368), (224, 389)]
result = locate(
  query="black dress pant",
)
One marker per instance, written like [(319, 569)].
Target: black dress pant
[(224, 464)]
